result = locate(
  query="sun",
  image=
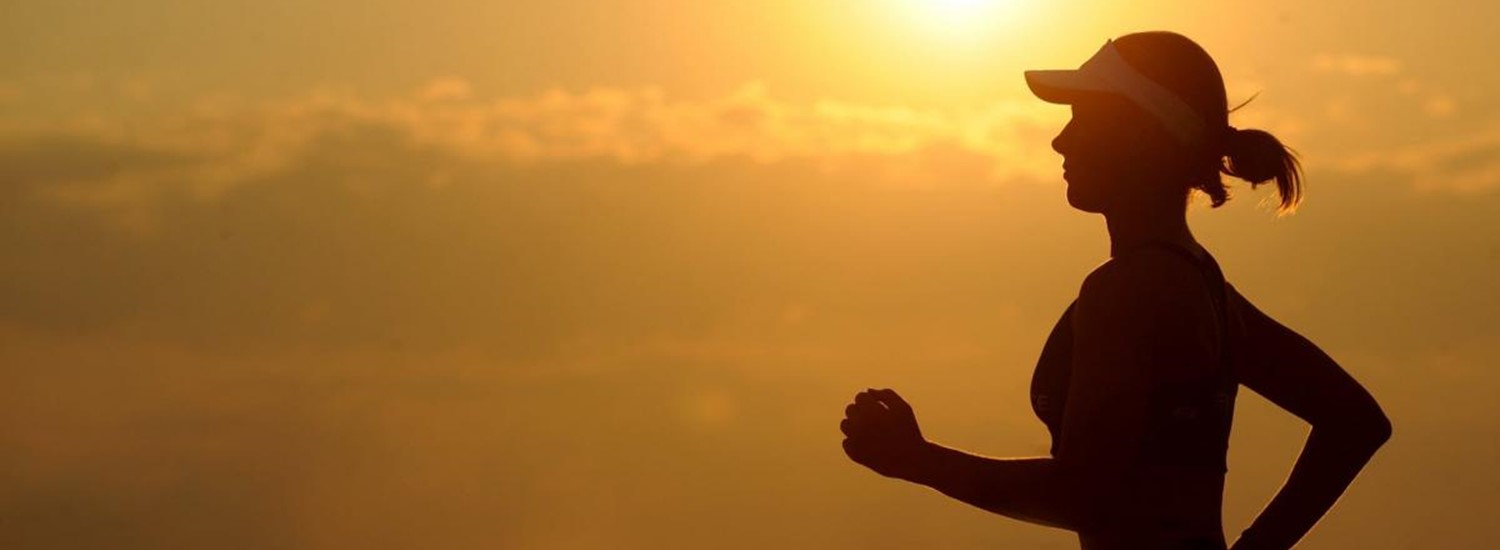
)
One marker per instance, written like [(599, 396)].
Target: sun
[(963, 20), (958, 8)]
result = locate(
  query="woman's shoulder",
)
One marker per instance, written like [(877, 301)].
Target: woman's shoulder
[(1150, 272), (1146, 294)]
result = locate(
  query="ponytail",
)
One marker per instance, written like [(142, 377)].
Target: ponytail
[(1257, 157), (1187, 72)]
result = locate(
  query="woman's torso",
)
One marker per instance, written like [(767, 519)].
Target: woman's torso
[(1180, 472)]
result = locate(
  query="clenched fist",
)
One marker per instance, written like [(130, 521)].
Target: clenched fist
[(881, 433)]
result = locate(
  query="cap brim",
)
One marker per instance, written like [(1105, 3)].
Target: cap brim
[(1065, 86)]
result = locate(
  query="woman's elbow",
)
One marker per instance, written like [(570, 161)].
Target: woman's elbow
[(1380, 429), (1375, 426), (1369, 431)]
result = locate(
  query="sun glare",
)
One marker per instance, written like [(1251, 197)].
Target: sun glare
[(963, 20)]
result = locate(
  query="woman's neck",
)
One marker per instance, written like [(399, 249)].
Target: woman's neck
[(1132, 227)]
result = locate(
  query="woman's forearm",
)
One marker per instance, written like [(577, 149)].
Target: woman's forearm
[(1027, 489), (1328, 463)]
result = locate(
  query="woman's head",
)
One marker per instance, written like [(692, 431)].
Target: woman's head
[(1150, 122)]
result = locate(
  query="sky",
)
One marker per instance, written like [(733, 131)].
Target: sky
[(572, 274)]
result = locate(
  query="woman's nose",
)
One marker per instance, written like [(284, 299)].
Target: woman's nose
[(1063, 141)]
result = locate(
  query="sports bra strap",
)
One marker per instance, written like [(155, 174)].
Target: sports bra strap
[(1218, 294)]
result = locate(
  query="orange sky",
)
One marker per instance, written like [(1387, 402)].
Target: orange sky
[(603, 274)]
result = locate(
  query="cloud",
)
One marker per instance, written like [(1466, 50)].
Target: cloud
[(443, 89), (221, 142), (644, 126), (1467, 164), (232, 223), (1440, 106), (1358, 65), (362, 234)]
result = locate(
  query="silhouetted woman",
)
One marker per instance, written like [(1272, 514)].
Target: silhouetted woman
[(1136, 382)]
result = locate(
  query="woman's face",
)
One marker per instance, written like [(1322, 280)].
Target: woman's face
[(1113, 152)]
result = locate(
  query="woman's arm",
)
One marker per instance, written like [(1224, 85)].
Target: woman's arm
[(1026, 489), (1347, 426), (882, 434)]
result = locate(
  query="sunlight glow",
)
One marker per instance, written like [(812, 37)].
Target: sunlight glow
[(964, 20)]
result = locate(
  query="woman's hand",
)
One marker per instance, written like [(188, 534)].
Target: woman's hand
[(881, 433)]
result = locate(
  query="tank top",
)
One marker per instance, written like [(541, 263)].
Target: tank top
[(1189, 420)]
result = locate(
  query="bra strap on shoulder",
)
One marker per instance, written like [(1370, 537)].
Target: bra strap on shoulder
[(1218, 294)]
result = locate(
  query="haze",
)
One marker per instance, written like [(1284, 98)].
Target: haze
[(571, 274)]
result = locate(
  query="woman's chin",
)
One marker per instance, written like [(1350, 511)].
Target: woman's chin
[(1082, 201)]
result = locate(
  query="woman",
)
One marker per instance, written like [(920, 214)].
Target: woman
[(1137, 381)]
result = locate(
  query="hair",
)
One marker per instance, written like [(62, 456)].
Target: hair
[(1256, 156)]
